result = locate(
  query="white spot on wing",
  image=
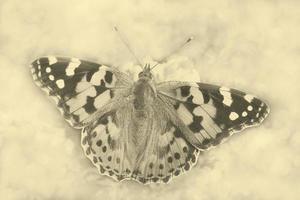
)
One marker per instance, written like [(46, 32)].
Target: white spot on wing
[(184, 114), (70, 70), (227, 99), (80, 100), (96, 78), (233, 116), (51, 77), (197, 95), (82, 85), (81, 113), (52, 60), (209, 108), (60, 83), (48, 69), (262, 104), (91, 92), (244, 114), (208, 113), (250, 108), (248, 97), (197, 111)]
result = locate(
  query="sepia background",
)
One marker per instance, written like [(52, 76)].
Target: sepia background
[(250, 45)]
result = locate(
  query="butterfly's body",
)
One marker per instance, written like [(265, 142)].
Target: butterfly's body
[(143, 130)]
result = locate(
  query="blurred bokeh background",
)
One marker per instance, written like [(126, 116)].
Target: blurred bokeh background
[(250, 45)]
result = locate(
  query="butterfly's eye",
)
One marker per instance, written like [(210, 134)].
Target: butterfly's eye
[(145, 74)]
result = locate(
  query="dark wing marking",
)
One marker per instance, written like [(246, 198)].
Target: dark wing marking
[(170, 156), (212, 112), (103, 143)]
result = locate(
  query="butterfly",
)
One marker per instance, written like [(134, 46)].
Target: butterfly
[(143, 130)]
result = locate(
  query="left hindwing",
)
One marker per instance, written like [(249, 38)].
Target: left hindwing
[(211, 112), (79, 87)]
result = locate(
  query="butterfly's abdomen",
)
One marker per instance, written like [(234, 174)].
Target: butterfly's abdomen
[(143, 97)]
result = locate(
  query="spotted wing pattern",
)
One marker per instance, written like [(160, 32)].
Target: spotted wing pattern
[(103, 143), (111, 146), (79, 87), (213, 113), (171, 156), (184, 119)]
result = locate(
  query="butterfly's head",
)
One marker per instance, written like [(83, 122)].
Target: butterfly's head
[(146, 73)]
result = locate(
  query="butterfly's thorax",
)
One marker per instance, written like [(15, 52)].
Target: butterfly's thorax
[(144, 93)]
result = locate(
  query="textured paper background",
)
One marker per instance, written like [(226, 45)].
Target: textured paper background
[(250, 45)]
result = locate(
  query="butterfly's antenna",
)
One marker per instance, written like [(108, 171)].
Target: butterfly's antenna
[(173, 52), (125, 41)]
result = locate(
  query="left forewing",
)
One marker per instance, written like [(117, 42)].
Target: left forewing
[(80, 88)]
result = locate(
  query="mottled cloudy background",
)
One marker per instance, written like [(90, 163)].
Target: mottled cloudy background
[(250, 45)]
